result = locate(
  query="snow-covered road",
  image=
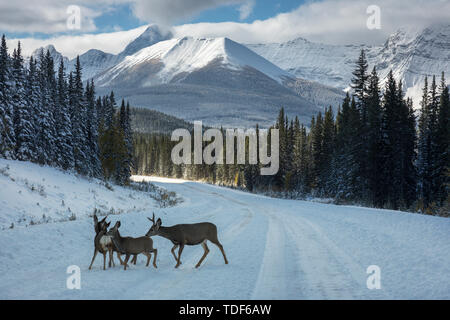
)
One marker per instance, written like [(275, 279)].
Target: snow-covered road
[(277, 249)]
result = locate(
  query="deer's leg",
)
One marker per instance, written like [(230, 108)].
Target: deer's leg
[(133, 261), (205, 247), (148, 255), (179, 255), (221, 249), (120, 258), (173, 252), (104, 260), (93, 258), (111, 258), (126, 260), (155, 253)]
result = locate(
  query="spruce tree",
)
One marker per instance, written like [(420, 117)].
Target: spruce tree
[(23, 112), (64, 124), (7, 134)]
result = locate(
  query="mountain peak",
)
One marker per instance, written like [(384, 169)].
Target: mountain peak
[(153, 34)]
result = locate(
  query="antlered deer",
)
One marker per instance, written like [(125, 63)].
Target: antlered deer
[(135, 246), (187, 234)]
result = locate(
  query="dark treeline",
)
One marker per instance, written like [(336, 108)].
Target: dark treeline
[(47, 117), (374, 151)]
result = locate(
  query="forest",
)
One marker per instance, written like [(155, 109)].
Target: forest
[(372, 150), (50, 118)]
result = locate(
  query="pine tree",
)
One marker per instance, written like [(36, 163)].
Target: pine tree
[(44, 116), (63, 121), (79, 122), (374, 141), (93, 133), (23, 112), (7, 135), (27, 149), (443, 143)]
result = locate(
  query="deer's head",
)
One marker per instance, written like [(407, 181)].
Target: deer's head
[(154, 229), (101, 225), (114, 230)]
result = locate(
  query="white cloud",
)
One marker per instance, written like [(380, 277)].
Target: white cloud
[(329, 21), (71, 46), (167, 12), (246, 9), (47, 16)]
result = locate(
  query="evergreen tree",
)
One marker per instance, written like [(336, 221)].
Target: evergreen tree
[(44, 119), (443, 143), (79, 122), (92, 131), (63, 122), (23, 112), (374, 141), (7, 134)]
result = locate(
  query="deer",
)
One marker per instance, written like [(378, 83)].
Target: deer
[(132, 246), (187, 234), (103, 243)]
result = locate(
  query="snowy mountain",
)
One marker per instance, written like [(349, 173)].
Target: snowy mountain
[(96, 61), (226, 83), (411, 54), (173, 60), (217, 80), (56, 56), (326, 64), (153, 34)]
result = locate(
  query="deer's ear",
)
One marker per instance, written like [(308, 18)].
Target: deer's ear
[(158, 222), (118, 224), (107, 225), (95, 219)]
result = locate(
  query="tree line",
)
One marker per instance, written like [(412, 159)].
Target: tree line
[(374, 150), (50, 118)]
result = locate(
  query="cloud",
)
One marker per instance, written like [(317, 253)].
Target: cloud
[(48, 16), (71, 46), (246, 9), (167, 12), (329, 21)]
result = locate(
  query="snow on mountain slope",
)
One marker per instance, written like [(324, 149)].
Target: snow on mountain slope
[(277, 249), (97, 61), (181, 56), (153, 34), (326, 64), (411, 54), (56, 56)]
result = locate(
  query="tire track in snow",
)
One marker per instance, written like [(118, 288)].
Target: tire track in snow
[(328, 271)]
